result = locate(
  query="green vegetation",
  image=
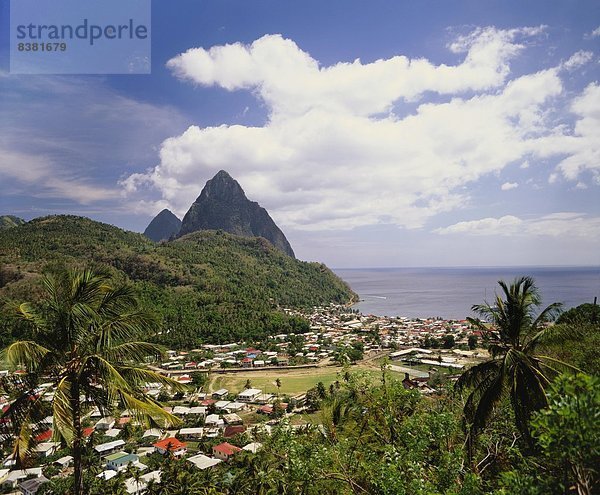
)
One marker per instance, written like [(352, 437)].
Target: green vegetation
[(84, 334), (567, 431), (515, 370), (8, 221), (292, 382), (361, 432), (205, 287)]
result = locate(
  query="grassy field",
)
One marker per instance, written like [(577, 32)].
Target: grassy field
[(292, 381)]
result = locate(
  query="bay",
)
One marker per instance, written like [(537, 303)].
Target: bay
[(449, 293)]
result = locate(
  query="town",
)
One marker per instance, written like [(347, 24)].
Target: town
[(237, 393)]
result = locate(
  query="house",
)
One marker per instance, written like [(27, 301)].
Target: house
[(44, 436), (120, 460), (249, 395), (220, 394), (253, 447), (64, 462), (13, 477), (266, 409), (152, 432), (212, 432), (225, 450), (246, 362), (259, 363), (109, 447), (181, 410), (202, 461), (221, 404), (198, 410), (191, 432), (30, 487), (107, 475), (112, 433), (235, 407), (171, 445), (123, 421), (263, 398), (137, 487), (232, 419), (233, 430), (46, 449), (213, 420), (105, 423)]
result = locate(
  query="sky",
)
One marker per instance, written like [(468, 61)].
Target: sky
[(409, 133)]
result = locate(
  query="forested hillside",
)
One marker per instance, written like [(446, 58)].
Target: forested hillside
[(204, 287), (8, 221)]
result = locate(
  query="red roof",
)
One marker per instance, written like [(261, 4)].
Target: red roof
[(208, 402), (226, 448), (88, 431), (170, 444), (124, 421), (246, 360), (265, 409), (233, 430), (42, 437)]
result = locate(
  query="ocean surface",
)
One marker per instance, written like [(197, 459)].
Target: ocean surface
[(450, 292)]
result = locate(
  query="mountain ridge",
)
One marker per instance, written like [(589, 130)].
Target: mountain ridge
[(205, 287)]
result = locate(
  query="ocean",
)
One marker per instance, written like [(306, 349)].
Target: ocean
[(450, 292)]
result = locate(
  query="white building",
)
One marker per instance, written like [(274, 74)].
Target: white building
[(249, 395)]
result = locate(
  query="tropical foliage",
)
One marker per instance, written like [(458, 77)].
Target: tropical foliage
[(514, 332), (205, 287), (85, 344)]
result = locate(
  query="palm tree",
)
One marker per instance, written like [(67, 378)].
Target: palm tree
[(515, 369), (278, 385), (85, 344)]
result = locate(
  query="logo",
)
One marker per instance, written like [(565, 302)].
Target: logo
[(80, 36)]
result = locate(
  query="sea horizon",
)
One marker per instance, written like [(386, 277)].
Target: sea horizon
[(449, 292)]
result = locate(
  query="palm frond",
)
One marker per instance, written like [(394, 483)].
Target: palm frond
[(145, 410), (133, 351), (553, 334), (561, 366), (22, 446), (121, 328), (480, 406), (138, 377), (548, 314), (25, 353), (62, 412), (475, 375)]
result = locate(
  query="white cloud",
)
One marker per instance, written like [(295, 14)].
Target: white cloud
[(49, 179), (581, 145), (291, 82), (577, 60), (507, 186), (563, 224), (76, 137), (594, 34), (333, 154)]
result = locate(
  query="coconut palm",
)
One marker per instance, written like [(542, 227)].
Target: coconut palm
[(516, 370), (84, 343), (278, 385)]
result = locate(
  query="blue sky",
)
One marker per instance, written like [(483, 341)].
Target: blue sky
[(375, 133)]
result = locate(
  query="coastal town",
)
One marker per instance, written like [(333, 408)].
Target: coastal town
[(236, 393)]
